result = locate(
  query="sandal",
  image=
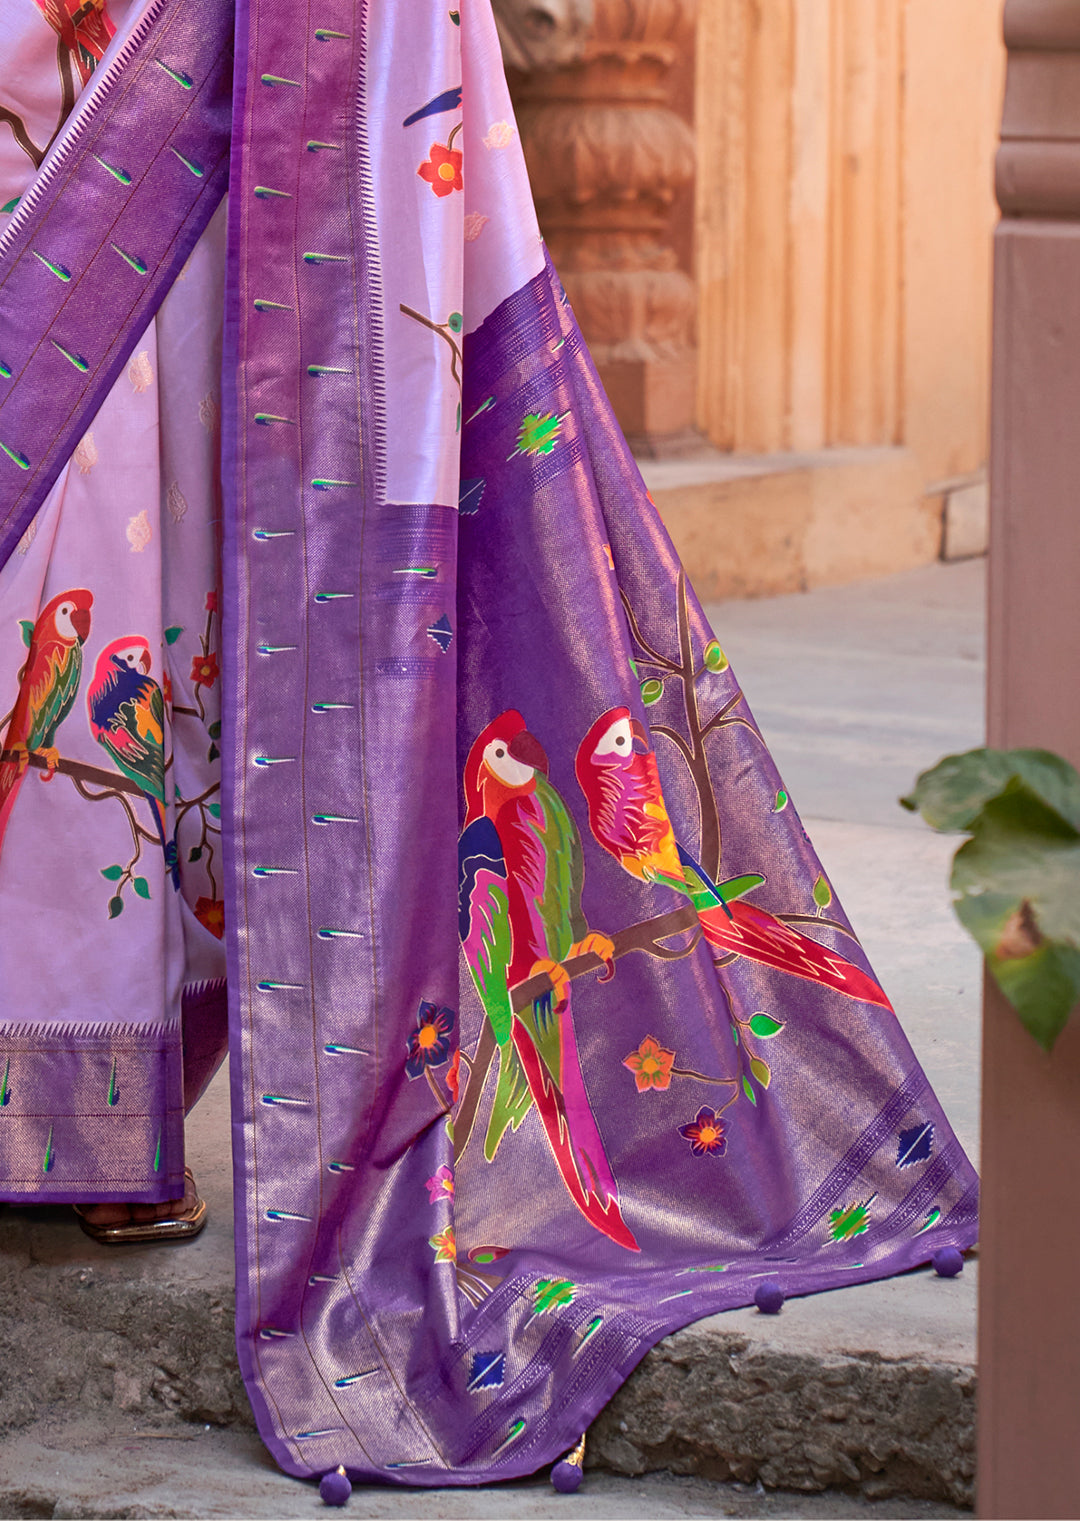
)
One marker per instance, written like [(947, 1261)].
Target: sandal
[(181, 1224)]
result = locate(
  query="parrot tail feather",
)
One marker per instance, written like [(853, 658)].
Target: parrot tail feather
[(595, 1194)]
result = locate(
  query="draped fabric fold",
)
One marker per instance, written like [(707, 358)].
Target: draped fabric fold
[(548, 1033)]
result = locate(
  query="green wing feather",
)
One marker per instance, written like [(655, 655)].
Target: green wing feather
[(59, 700), (144, 763)]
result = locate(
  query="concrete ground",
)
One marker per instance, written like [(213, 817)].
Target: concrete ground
[(113, 1361)]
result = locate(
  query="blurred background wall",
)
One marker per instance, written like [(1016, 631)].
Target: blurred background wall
[(773, 218)]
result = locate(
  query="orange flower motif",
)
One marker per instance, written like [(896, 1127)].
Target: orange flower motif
[(453, 1075), (651, 1065), (442, 170), (210, 913), (204, 670), (445, 1245)]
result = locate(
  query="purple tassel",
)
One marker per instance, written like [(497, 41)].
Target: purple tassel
[(947, 1262), (335, 1488), (769, 1298), (566, 1475)]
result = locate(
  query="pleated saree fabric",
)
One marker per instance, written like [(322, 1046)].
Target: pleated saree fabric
[(548, 1033)]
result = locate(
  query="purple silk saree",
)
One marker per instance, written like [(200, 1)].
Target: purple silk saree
[(548, 1035)]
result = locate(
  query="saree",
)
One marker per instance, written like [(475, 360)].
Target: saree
[(548, 1034)]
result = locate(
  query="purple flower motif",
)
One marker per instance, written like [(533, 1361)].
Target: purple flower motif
[(440, 1185), (429, 1043), (706, 1134)]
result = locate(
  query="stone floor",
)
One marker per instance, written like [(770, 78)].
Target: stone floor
[(112, 1362)]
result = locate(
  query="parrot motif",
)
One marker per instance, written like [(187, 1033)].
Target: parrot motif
[(127, 718), (521, 871), (616, 770), (83, 27), (48, 686)]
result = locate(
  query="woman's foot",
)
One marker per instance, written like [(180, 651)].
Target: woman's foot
[(169, 1220)]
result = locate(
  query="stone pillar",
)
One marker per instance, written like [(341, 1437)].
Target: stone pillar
[(1029, 1311), (609, 159)]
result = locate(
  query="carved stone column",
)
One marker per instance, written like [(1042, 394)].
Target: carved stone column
[(608, 158)]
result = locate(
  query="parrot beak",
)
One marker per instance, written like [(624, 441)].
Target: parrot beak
[(80, 622), (527, 749), (146, 660), (641, 734)]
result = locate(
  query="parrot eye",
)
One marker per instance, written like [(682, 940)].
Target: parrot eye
[(616, 740), (511, 772)]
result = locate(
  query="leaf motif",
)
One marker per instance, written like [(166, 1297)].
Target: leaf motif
[(822, 892), (552, 1294), (27, 626), (140, 372), (214, 729), (86, 454), (173, 634), (781, 802), (915, 1145), (214, 810), (715, 659), (746, 1088), (761, 1071), (142, 887), (850, 1221), (195, 854), (116, 907), (213, 753), (112, 873), (764, 1026), (651, 691)]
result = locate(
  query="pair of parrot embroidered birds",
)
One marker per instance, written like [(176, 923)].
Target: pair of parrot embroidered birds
[(521, 873), (124, 704)]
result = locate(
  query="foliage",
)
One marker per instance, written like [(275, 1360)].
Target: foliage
[(1017, 879)]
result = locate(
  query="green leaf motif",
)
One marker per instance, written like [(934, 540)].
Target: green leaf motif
[(173, 634), (142, 887), (735, 1034), (715, 659), (633, 666), (552, 1294), (112, 873), (761, 1071), (214, 810), (214, 729), (781, 802), (116, 907), (849, 1222), (764, 1026), (27, 626), (9, 206), (651, 691), (822, 892), (746, 1088), (537, 434)]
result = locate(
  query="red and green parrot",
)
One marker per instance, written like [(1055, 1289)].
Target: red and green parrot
[(48, 686), (127, 718), (83, 27), (617, 772), (519, 911)]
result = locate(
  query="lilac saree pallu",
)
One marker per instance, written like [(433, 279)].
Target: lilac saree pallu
[(548, 1034)]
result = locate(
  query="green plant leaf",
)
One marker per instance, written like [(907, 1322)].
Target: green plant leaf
[(1017, 882), (173, 634), (112, 873), (746, 1088), (761, 1070), (142, 887), (764, 1026), (651, 691), (116, 907), (951, 794), (822, 892)]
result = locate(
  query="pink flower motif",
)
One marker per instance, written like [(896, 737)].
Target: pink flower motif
[(440, 1185), (211, 602)]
